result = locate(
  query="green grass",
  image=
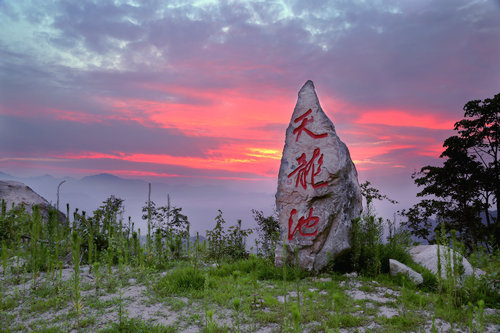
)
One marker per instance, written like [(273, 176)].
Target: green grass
[(138, 326), (402, 323), (183, 281), (8, 303), (325, 305)]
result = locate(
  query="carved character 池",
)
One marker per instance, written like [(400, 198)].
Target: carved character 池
[(309, 222)]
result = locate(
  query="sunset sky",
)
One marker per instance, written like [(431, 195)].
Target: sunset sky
[(201, 92)]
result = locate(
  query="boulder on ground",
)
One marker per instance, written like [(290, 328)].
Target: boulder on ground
[(318, 191), (397, 267), (18, 195), (427, 256)]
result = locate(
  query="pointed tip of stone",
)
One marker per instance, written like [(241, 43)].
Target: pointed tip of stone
[(308, 91), (308, 85)]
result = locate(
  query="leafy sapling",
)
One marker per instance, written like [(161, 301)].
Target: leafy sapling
[(4, 257), (76, 273), (237, 305)]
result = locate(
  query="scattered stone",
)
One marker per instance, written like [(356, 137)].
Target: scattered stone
[(399, 268), (351, 275), (362, 295), (17, 262), (291, 294), (316, 279), (387, 312), (317, 291), (318, 191)]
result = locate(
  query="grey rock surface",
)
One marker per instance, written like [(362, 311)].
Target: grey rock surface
[(318, 190), (427, 256), (397, 267), (18, 194)]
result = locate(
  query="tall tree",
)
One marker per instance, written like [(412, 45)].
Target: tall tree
[(481, 132), (464, 189)]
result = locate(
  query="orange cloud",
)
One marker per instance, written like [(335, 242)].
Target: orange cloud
[(260, 161), (402, 118)]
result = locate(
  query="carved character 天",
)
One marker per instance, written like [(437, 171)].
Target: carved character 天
[(302, 127)]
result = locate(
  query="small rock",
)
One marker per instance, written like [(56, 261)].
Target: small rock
[(399, 268), (426, 255)]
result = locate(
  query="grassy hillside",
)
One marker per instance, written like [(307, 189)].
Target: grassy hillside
[(95, 275)]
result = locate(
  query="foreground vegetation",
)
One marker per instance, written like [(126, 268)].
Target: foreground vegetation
[(93, 273)]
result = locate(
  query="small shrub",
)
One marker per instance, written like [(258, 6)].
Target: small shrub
[(8, 303), (397, 248), (430, 280), (368, 255), (181, 281), (366, 244), (228, 244), (269, 233), (260, 268)]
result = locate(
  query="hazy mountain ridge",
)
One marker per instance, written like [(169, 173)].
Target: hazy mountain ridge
[(199, 202)]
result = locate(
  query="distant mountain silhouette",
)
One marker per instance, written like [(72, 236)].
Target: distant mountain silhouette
[(101, 177), (108, 179), (4, 175), (199, 202)]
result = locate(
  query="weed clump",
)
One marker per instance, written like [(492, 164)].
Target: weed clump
[(181, 281)]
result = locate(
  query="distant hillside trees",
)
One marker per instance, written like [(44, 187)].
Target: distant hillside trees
[(168, 219), (461, 193)]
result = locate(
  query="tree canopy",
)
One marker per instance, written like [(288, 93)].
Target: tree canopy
[(462, 192)]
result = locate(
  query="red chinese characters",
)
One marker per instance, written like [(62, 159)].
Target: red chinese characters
[(302, 127), (306, 226), (309, 222), (308, 167)]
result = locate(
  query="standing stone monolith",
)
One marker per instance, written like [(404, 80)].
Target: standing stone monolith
[(318, 190)]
